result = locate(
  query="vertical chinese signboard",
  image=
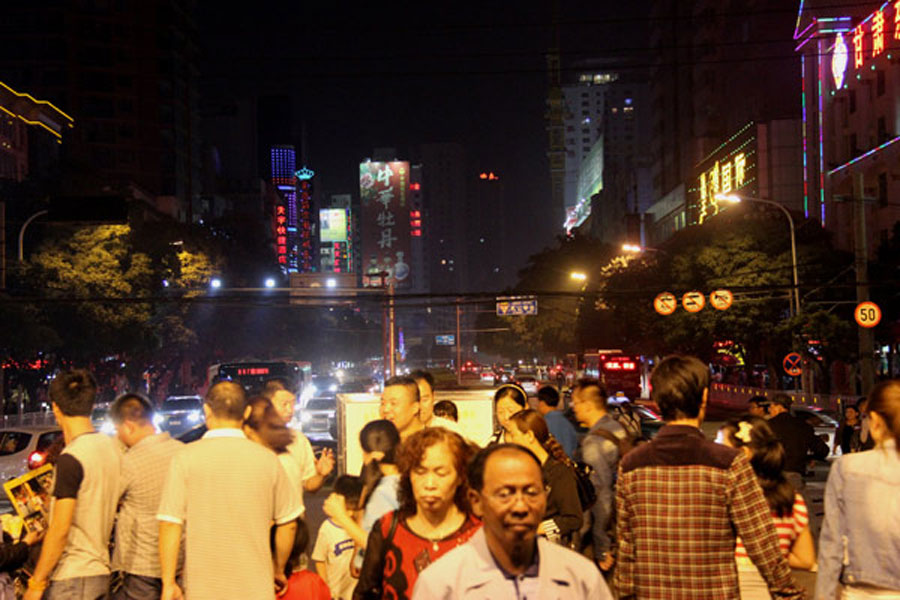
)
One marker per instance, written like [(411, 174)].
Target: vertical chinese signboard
[(729, 169), (384, 222)]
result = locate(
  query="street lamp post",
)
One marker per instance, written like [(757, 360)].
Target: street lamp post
[(27, 222), (736, 199)]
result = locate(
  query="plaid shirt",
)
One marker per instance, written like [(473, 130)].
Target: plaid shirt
[(144, 469), (681, 500)]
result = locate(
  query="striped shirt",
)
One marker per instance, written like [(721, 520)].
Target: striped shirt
[(787, 527), (681, 500), (227, 491), (144, 469)]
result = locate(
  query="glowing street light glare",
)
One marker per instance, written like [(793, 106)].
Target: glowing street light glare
[(632, 248), (331, 283), (270, 282), (215, 283), (731, 198), (578, 276)]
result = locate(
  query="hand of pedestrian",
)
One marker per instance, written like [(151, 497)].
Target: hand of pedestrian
[(281, 585), (325, 462), (33, 537), (31, 594), (171, 592)]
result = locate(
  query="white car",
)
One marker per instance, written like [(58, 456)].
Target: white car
[(25, 448)]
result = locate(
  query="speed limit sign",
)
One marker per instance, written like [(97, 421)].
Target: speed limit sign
[(867, 314)]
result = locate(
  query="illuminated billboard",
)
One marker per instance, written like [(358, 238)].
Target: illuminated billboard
[(332, 225), (384, 222), (730, 168)]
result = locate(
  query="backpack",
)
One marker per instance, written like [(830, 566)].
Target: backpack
[(624, 445), (587, 494)]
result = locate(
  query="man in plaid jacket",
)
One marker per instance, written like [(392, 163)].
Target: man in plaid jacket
[(682, 499)]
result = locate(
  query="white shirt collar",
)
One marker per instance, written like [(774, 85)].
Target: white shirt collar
[(224, 432)]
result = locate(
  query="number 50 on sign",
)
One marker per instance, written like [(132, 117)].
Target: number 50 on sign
[(867, 314)]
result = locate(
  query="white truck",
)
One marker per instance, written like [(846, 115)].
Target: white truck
[(476, 421)]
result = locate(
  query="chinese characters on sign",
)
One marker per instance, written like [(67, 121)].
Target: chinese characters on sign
[(869, 35), (730, 168), (385, 223)]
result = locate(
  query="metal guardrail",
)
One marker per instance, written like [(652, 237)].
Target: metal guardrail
[(738, 395), (27, 419)]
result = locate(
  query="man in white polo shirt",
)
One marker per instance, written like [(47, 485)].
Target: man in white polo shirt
[(305, 471), (224, 492), (74, 561)]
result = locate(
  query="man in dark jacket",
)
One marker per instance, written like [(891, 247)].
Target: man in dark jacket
[(798, 438)]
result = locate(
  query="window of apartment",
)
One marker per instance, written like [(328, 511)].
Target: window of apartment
[(852, 101), (882, 131), (882, 189), (854, 147), (879, 82)]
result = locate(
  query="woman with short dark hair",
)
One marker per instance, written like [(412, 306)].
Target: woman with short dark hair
[(434, 515)]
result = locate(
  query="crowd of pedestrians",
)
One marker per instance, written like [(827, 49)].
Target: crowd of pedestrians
[(431, 515)]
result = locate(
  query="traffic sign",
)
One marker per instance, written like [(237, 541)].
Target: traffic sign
[(517, 306), (793, 364), (721, 299), (665, 303), (445, 340), (693, 302), (867, 314)]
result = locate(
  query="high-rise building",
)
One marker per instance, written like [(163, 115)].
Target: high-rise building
[(127, 74), (851, 117), (447, 216), (716, 68)]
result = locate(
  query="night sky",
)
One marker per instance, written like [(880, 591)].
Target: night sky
[(366, 76)]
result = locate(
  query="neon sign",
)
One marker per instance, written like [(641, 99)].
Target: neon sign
[(729, 168), (868, 38), (839, 60)]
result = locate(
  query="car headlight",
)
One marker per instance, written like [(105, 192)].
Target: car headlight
[(194, 417), (305, 417), (158, 420), (108, 428), (308, 392), (332, 387)]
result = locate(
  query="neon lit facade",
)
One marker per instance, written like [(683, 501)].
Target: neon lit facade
[(850, 69), (283, 162)]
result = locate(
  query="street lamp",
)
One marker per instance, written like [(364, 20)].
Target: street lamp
[(578, 276), (736, 199)]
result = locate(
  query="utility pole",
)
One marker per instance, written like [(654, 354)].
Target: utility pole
[(458, 346), (392, 343), (860, 246), (2, 251)]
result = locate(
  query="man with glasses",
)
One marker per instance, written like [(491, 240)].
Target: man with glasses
[(506, 558)]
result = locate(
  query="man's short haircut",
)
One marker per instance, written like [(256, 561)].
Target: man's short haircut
[(131, 407), (782, 400), (677, 385), (446, 409), (74, 392), (275, 385), (758, 400), (422, 375), (405, 381), (478, 464), (350, 487), (227, 400), (549, 396), (591, 390)]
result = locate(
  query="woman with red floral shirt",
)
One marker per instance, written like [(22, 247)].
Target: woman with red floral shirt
[(434, 515)]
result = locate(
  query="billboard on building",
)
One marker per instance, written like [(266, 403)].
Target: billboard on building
[(729, 169), (332, 225), (384, 222)]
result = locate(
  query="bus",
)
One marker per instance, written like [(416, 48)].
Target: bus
[(619, 372), (254, 374)]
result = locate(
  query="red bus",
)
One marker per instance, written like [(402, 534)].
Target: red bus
[(619, 372)]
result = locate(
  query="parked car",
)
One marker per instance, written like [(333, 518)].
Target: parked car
[(529, 383), (25, 448), (318, 420), (179, 414), (824, 424)]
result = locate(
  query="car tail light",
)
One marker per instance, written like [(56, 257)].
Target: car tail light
[(35, 460)]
